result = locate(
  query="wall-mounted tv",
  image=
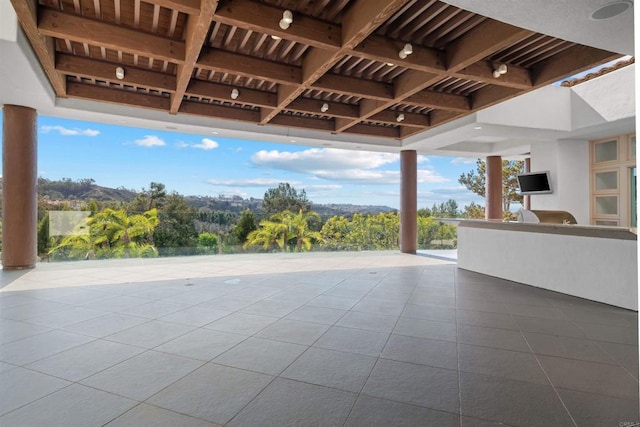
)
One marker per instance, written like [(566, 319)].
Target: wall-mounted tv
[(535, 183)]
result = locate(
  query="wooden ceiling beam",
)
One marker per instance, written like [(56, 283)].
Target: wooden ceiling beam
[(116, 96), (482, 41), (407, 84), (222, 92), (410, 119), (93, 69), (377, 48), (407, 131), (358, 22), (302, 122), (195, 33), (65, 26), (264, 19), (190, 7), (234, 63), (572, 61), (354, 86), (491, 95), (440, 101), (516, 77), (313, 106), (474, 46), (44, 48), (219, 112), (378, 131), (381, 49)]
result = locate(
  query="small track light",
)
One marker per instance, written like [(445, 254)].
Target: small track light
[(235, 93), (324, 108), (502, 69), (120, 73), (405, 51), (287, 19), (400, 118)]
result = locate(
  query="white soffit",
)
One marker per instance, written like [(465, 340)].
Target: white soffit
[(566, 19)]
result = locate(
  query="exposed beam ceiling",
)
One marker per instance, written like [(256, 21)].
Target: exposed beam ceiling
[(336, 68)]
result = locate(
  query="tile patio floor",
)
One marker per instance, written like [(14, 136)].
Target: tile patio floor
[(355, 339)]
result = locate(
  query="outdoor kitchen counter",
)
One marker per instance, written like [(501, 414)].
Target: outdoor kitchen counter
[(593, 262)]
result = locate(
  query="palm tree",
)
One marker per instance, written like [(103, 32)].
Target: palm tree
[(303, 234), (114, 233), (269, 234)]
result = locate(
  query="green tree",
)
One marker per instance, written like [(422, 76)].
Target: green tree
[(177, 226), (473, 210), (300, 229), (269, 235), (475, 181), (44, 240), (448, 209), (284, 198), (112, 233), (245, 225), (207, 240)]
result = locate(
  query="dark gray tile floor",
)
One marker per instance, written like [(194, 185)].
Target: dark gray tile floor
[(366, 340)]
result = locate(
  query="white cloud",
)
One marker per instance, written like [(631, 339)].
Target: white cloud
[(206, 144), (322, 187), (340, 165), (150, 141), (182, 144), (321, 159), (423, 159), (463, 161), (69, 132), (254, 182)]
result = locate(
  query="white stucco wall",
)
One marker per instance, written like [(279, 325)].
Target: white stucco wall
[(568, 163)]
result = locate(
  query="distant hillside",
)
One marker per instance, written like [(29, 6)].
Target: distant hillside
[(86, 189), (333, 209)]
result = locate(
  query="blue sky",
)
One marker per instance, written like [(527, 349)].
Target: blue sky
[(116, 156)]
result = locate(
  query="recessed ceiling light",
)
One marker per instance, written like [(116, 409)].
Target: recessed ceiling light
[(477, 127), (214, 132), (292, 140), (611, 10)]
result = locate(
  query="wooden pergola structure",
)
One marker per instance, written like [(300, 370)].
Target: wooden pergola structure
[(187, 56)]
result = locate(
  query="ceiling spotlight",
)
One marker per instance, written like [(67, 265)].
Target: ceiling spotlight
[(400, 118), (405, 51), (274, 37), (390, 64), (120, 73), (235, 93), (324, 108), (287, 19), (502, 69)]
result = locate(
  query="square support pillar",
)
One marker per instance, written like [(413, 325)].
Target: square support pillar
[(493, 188), (19, 192), (408, 201)]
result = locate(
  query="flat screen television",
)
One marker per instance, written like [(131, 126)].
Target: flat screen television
[(535, 183)]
